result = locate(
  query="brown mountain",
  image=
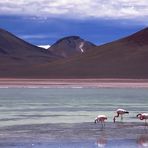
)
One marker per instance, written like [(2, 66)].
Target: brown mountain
[(14, 46), (17, 56), (124, 58), (70, 46), (14, 50)]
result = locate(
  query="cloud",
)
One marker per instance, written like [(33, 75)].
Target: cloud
[(36, 36), (77, 9)]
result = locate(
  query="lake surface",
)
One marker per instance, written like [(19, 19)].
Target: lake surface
[(64, 117), (68, 105)]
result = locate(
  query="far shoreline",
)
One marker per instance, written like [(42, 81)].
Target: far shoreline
[(73, 83)]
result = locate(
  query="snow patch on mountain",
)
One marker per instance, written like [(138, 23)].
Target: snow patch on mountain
[(44, 46), (81, 47)]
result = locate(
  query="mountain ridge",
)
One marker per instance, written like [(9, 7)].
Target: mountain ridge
[(70, 46), (124, 58)]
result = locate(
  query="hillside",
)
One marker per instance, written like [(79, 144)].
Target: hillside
[(124, 58), (17, 55), (70, 46), (14, 50)]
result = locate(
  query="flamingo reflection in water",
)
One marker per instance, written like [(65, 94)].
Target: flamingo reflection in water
[(101, 142), (143, 141)]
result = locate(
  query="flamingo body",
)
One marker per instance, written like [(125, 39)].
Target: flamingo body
[(120, 112), (101, 118), (143, 116)]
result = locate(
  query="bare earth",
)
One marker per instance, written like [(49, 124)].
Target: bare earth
[(98, 83)]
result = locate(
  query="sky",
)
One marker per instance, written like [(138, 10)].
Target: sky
[(43, 22)]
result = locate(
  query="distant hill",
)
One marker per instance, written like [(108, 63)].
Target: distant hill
[(70, 46), (17, 56), (14, 50), (123, 58)]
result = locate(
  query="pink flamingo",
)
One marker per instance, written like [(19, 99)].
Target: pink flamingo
[(120, 112), (101, 118), (143, 116)]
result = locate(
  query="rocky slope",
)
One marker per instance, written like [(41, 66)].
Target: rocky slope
[(123, 58), (69, 46)]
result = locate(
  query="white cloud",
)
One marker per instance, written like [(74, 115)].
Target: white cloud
[(38, 36), (126, 9)]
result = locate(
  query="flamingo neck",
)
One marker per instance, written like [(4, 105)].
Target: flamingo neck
[(116, 117), (139, 115)]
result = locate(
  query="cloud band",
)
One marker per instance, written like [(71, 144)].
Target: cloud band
[(76, 9)]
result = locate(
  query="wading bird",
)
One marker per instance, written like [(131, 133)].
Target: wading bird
[(120, 112), (101, 118), (143, 116)]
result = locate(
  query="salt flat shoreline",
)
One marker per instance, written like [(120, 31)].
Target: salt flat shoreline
[(74, 83)]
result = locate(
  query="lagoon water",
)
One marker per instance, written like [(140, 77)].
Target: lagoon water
[(40, 113), (68, 105)]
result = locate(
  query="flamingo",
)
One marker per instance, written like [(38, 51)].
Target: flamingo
[(101, 118), (143, 116), (120, 112)]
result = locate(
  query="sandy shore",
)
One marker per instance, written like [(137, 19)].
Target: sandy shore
[(89, 134), (75, 83)]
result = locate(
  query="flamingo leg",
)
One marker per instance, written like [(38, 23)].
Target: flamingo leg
[(145, 122), (102, 123), (121, 117)]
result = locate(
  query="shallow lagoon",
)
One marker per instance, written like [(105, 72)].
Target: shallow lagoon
[(63, 117), (75, 135)]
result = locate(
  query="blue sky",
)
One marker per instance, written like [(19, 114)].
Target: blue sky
[(42, 22)]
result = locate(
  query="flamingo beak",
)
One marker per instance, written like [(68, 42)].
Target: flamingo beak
[(127, 112)]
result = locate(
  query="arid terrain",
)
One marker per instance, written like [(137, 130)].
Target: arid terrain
[(125, 58), (76, 83)]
